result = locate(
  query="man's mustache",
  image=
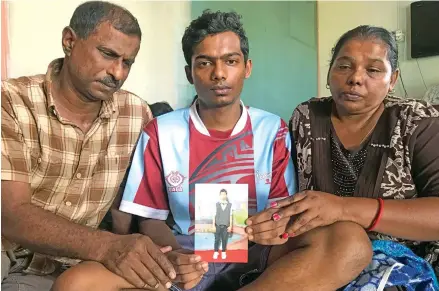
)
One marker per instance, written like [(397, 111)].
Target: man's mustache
[(110, 82)]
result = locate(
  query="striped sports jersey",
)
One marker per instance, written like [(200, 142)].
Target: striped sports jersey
[(176, 151)]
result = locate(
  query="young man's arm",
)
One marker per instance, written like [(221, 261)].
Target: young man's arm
[(159, 232), (121, 221), (144, 193), (145, 196)]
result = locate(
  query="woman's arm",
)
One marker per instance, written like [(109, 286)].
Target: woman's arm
[(413, 219)]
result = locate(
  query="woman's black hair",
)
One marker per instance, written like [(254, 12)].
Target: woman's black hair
[(369, 32)]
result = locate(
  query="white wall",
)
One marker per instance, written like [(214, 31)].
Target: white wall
[(158, 73), (335, 18)]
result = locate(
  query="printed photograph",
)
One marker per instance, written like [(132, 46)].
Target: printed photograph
[(220, 214)]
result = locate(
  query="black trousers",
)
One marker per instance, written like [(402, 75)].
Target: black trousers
[(221, 236)]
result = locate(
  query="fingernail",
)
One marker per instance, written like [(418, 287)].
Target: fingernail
[(172, 275), (205, 266), (248, 222), (249, 230), (291, 234), (250, 237), (285, 235), (168, 285), (276, 217), (273, 204)]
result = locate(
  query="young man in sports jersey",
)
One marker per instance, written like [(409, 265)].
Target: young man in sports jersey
[(219, 140)]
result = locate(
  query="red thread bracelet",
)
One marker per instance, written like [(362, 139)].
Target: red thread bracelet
[(378, 216)]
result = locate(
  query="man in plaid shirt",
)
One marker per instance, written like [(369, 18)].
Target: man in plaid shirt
[(67, 138)]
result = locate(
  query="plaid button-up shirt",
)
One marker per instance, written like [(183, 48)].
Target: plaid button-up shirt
[(72, 174)]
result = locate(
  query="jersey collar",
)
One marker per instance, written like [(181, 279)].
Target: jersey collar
[(199, 125)]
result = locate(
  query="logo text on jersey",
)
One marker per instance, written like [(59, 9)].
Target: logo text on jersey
[(174, 180), (263, 177)]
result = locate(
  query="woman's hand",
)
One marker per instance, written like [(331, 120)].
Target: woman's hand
[(266, 228), (312, 209)]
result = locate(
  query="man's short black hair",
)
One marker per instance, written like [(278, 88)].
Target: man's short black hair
[(89, 15), (210, 23)]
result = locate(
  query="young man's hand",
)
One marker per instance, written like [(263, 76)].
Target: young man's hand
[(138, 260), (189, 267), (266, 228)]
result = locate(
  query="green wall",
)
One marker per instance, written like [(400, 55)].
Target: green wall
[(282, 38)]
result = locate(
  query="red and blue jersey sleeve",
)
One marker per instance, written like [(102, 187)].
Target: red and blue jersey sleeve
[(283, 176), (145, 193)]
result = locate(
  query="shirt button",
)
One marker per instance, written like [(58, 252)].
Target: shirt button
[(68, 203), (78, 175), (39, 160)]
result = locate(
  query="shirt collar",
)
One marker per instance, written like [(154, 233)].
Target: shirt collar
[(199, 125)]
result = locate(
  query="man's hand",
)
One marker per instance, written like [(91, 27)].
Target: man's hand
[(267, 228), (138, 260), (229, 229), (189, 268)]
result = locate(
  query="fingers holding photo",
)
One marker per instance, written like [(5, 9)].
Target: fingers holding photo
[(189, 268)]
